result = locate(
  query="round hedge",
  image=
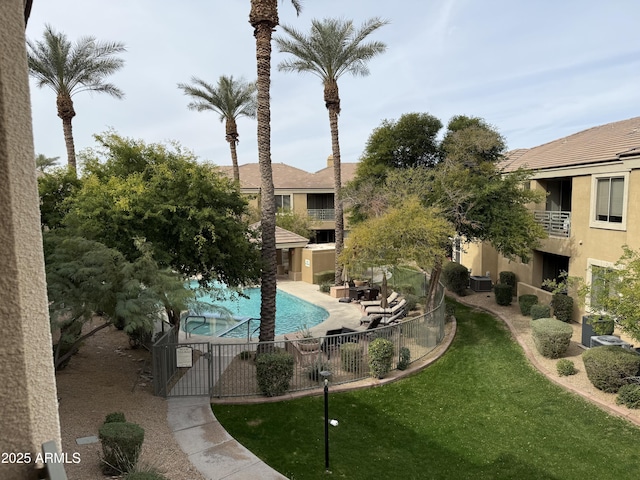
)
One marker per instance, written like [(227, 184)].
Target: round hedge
[(551, 337), (503, 293), (608, 368), (121, 444), (455, 277), (526, 302), (380, 357)]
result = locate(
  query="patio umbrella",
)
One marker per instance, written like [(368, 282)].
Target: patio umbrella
[(383, 290)]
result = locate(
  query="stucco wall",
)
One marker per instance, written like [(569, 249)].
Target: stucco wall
[(316, 260), (27, 381)]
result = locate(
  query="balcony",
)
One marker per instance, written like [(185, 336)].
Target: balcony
[(322, 214), (555, 223)]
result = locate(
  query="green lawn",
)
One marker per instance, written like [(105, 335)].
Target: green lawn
[(480, 412)]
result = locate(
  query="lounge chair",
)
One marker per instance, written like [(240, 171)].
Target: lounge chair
[(335, 338), (391, 301), (386, 311), (394, 318)]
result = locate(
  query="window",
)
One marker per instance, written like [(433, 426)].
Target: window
[(283, 202), (609, 195), (609, 201)]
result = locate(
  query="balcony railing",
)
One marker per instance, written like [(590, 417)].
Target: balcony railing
[(556, 224), (322, 214)]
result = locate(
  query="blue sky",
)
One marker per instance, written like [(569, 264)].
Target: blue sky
[(537, 71)]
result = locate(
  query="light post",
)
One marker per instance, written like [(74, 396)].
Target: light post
[(325, 375)]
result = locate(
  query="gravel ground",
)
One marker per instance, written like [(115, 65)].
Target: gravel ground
[(107, 376)]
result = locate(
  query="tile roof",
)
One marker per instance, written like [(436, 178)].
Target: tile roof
[(285, 238), (600, 144), (288, 177)]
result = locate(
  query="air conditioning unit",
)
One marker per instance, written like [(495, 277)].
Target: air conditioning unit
[(480, 284), (608, 340)]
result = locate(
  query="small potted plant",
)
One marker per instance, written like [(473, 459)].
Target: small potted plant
[(306, 341)]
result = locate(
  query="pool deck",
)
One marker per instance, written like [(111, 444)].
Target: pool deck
[(209, 447)]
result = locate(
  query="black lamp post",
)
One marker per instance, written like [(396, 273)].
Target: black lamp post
[(325, 375)]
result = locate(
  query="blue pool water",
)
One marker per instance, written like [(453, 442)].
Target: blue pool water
[(292, 314)]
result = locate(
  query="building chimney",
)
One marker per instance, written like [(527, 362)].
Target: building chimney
[(330, 161)]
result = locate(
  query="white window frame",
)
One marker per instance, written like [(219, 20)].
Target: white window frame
[(278, 207), (593, 262), (593, 222)]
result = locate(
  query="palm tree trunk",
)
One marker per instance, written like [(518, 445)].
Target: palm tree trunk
[(231, 129), (332, 102), (337, 181), (264, 18), (66, 113)]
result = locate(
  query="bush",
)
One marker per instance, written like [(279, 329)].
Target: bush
[(503, 294), (551, 336), (629, 395), (140, 336), (526, 302), (121, 444), (608, 368), (406, 289), (455, 277), (115, 417), (539, 311), (325, 287), (351, 356), (509, 278), (601, 325), (565, 367), (380, 357), (449, 311), (562, 307), (405, 357), (245, 355), (412, 301), (274, 371), (328, 276)]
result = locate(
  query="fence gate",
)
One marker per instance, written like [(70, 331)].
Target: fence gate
[(182, 369)]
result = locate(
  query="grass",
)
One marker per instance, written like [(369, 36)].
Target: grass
[(480, 412)]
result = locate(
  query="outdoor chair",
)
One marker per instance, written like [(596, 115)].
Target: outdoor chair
[(386, 311), (391, 301), (336, 337)]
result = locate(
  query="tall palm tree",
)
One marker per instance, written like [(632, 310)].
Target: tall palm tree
[(72, 68), (332, 48), (43, 162), (231, 99), (263, 17)]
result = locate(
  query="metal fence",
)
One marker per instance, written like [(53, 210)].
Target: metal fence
[(229, 370)]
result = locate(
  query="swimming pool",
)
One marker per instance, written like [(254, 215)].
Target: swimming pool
[(292, 314)]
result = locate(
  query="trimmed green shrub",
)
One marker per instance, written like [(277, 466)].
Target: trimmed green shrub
[(405, 357), (328, 276), (539, 311), (274, 371), (455, 277), (121, 444), (245, 355), (449, 311), (629, 395), (562, 307), (551, 336), (503, 294), (406, 289), (608, 368), (565, 367), (351, 356), (526, 302), (510, 279), (325, 287), (380, 357), (115, 417)]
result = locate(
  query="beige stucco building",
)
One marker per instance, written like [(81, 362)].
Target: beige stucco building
[(592, 182), (307, 193), (29, 408)]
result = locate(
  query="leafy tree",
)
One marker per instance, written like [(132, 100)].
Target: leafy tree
[(188, 212), (43, 162), (406, 232), (295, 222), (55, 189), (615, 292), (85, 278), (231, 99), (263, 17), (410, 141), (72, 68), (332, 48)]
